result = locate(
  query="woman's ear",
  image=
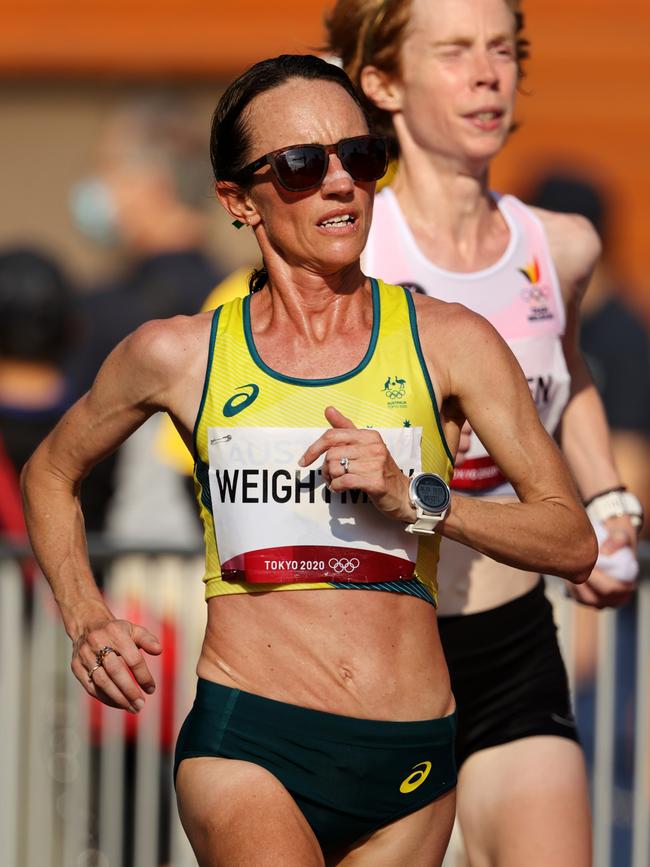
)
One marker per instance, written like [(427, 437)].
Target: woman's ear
[(237, 202), (381, 89)]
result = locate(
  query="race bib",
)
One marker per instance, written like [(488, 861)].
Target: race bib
[(277, 522)]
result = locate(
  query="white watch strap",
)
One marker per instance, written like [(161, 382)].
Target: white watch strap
[(425, 524), (615, 504)]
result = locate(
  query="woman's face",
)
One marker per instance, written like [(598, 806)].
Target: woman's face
[(300, 227), (458, 78)]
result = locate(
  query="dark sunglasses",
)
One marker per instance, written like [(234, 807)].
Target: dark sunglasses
[(303, 167)]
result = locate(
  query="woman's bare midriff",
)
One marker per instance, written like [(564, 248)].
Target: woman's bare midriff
[(359, 653), (469, 581)]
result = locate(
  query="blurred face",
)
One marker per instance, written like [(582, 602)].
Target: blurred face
[(458, 79), (325, 228)]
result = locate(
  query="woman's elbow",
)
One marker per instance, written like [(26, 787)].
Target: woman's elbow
[(583, 549), (29, 481), (37, 475), (25, 478)]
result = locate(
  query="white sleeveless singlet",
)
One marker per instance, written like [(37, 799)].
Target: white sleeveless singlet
[(519, 294)]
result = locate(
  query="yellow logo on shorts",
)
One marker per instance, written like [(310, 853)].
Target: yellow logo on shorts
[(419, 775)]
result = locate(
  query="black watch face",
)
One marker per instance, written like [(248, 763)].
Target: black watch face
[(432, 492)]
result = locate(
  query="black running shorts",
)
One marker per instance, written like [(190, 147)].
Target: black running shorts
[(507, 674)]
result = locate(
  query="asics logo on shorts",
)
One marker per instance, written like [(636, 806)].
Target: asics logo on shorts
[(344, 565), (419, 774)]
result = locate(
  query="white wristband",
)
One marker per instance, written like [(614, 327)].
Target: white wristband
[(615, 504), (622, 564)]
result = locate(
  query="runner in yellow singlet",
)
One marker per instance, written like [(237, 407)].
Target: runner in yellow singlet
[(323, 413)]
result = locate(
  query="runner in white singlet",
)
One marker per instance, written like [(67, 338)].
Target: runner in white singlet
[(520, 294), (442, 75)]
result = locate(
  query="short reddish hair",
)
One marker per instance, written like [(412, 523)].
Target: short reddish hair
[(363, 32)]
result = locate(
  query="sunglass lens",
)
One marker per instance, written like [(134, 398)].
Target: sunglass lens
[(365, 158), (301, 168)]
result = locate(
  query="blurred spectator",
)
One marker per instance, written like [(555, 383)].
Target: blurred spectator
[(147, 198), (616, 345), (37, 332)]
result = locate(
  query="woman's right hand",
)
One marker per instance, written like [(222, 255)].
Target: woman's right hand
[(120, 676), (372, 467)]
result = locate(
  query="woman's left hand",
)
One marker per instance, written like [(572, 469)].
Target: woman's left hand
[(370, 466), (613, 580)]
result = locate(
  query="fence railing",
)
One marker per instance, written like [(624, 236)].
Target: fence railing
[(82, 785)]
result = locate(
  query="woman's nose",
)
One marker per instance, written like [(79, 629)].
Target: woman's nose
[(337, 180)]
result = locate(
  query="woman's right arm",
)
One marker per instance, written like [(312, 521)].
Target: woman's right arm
[(133, 384), (479, 379)]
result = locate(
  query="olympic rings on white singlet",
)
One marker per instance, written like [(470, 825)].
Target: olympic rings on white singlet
[(344, 565)]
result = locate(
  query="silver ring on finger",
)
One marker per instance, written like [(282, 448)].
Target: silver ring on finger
[(102, 653), (345, 463), (93, 670)]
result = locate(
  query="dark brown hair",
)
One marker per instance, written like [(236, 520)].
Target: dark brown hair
[(230, 134)]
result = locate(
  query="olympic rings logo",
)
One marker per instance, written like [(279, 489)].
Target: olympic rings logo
[(344, 565), (534, 295)]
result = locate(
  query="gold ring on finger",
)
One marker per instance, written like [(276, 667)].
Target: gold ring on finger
[(93, 670)]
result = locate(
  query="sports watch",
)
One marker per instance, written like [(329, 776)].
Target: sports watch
[(430, 497), (615, 504)]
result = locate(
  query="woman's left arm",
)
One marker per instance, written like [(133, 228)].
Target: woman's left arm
[(584, 431)]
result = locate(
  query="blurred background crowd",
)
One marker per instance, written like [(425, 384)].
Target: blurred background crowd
[(108, 219)]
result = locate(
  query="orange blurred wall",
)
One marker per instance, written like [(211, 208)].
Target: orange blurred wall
[(152, 37), (587, 108), (588, 76)]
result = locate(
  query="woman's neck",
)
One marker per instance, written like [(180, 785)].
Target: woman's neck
[(450, 211), (313, 328), (307, 300)]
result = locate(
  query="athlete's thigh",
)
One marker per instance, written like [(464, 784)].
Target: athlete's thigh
[(417, 840), (232, 811), (526, 802)]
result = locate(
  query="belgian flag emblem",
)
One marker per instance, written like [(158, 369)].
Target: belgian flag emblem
[(531, 271)]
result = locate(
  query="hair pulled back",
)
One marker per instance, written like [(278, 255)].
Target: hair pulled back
[(363, 32), (230, 134)]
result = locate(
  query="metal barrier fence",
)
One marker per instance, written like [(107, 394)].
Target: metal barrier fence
[(82, 785)]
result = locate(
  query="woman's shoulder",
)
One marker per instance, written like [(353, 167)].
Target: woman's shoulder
[(443, 314), (167, 344), (574, 243), (450, 328)]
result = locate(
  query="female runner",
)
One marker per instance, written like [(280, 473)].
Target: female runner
[(322, 730)]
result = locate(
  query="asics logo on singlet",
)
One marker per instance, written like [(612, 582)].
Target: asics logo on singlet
[(344, 565), (418, 775), (241, 399)]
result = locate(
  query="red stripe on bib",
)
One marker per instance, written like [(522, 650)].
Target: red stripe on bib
[(317, 563)]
